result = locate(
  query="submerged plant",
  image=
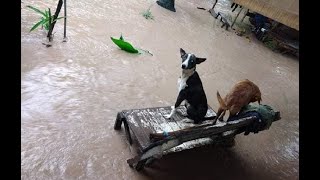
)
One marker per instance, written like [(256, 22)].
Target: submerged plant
[(46, 19), (147, 14), (270, 43)]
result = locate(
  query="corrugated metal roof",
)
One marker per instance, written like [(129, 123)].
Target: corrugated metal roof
[(283, 11)]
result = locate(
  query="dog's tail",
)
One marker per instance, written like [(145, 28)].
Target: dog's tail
[(221, 102)]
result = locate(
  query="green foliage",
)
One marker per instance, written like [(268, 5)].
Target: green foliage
[(147, 14), (46, 18)]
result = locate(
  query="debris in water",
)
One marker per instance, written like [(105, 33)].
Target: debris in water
[(47, 45), (201, 8), (247, 37)]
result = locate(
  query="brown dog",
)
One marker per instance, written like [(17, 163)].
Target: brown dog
[(240, 95)]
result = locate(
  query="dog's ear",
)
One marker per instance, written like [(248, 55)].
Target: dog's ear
[(182, 52), (200, 60)]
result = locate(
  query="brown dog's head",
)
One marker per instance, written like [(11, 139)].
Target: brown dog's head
[(257, 98), (257, 94)]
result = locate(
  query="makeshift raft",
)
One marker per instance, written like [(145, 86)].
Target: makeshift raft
[(156, 136)]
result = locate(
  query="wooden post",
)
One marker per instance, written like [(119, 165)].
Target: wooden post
[(65, 20), (214, 4), (245, 14), (236, 17), (274, 26), (56, 14), (211, 11), (127, 130), (119, 120)]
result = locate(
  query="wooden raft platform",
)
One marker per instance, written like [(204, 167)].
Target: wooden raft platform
[(145, 125)]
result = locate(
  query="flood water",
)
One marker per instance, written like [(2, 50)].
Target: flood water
[(72, 91)]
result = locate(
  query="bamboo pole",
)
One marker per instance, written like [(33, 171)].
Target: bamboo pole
[(245, 14), (65, 21), (214, 4), (56, 14)]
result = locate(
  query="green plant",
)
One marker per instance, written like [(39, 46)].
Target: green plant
[(46, 19), (270, 43), (147, 14)]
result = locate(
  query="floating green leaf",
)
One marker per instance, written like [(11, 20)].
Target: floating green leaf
[(126, 46)]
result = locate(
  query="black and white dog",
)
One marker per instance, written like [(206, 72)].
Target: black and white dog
[(191, 89)]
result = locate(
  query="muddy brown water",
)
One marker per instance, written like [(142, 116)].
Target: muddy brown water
[(71, 92)]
